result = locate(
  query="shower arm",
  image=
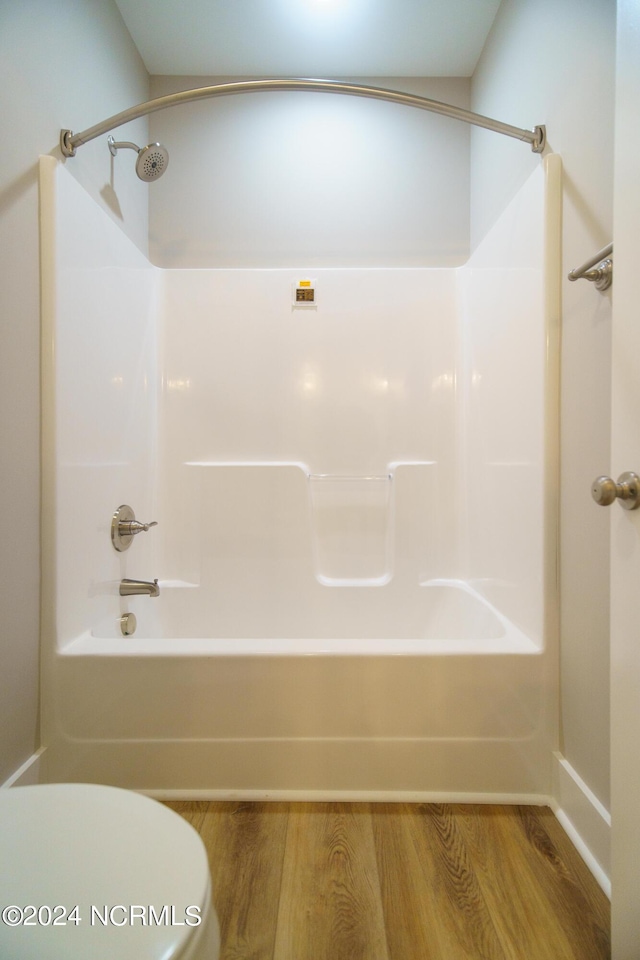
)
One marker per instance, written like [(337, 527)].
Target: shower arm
[(70, 141)]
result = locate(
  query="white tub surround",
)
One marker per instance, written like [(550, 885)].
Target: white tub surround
[(357, 512)]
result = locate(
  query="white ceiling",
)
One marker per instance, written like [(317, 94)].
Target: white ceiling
[(339, 38)]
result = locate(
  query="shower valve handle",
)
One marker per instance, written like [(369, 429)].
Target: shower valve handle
[(605, 491), (124, 527), (129, 528)]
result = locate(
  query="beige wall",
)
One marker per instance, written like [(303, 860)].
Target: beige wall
[(552, 62), (68, 63), (279, 179)]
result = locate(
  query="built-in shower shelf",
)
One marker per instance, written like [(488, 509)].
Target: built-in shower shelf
[(177, 584), (342, 525), (247, 463), (390, 469)]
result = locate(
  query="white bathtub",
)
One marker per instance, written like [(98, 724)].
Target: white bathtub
[(464, 716), (356, 563), (450, 617)]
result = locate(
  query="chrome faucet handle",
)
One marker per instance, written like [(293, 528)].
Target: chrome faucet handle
[(131, 527), (124, 527)]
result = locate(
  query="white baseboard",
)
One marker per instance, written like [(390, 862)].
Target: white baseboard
[(351, 796), (582, 816), (28, 774), (584, 819)]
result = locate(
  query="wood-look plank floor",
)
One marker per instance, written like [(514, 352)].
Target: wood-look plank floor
[(360, 881)]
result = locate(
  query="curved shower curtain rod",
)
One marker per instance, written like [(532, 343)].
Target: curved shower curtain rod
[(70, 141)]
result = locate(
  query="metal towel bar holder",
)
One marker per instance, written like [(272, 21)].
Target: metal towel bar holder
[(602, 275)]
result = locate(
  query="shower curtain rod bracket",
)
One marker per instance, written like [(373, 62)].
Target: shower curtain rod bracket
[(540, 139), (67, 148), (69, 141)]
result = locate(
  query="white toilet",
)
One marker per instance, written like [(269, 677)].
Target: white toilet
[(99, 872)]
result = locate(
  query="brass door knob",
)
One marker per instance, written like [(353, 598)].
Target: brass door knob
[(604, 490)]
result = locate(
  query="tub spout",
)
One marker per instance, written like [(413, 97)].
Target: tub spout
[(131, 588)]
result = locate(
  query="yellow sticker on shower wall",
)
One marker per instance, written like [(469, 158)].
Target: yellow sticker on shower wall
[(304, 293)]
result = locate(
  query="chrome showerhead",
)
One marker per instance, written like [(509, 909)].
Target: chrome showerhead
[(152, 160)]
